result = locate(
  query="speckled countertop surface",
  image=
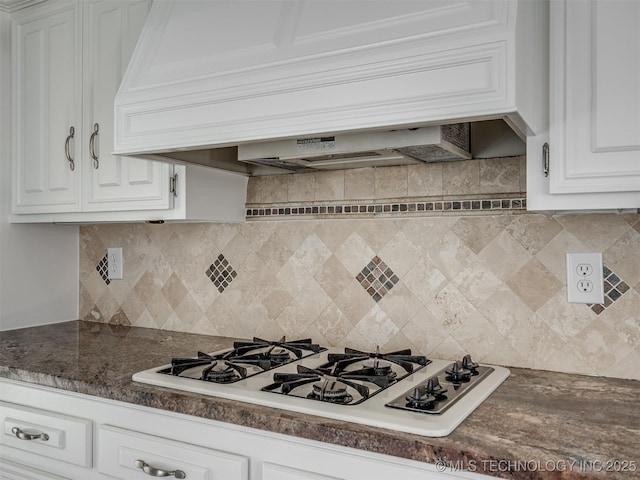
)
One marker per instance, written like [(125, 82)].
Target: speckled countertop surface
[(537, 425)]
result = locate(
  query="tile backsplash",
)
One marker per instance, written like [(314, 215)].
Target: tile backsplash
[(488, 283)]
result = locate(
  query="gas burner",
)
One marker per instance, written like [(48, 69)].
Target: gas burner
[(224, 372), (340, 361), (330, 391), (324, 387), (180, 365), (296, 347)]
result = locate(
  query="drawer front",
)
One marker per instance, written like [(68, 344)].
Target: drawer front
[(47, 434), (15, 471), (127, 454)]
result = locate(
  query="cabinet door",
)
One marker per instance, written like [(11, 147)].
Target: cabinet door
[(595, 97), (114, 182), (47, 78)]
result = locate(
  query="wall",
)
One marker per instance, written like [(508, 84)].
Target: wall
[(38, 263), (489, 281)]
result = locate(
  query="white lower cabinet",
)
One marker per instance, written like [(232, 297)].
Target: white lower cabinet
[(102, 439), (129, 455), (14, 471)]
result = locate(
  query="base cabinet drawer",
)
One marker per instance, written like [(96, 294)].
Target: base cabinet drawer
[(14, 471), (130, 455), (46, 434)]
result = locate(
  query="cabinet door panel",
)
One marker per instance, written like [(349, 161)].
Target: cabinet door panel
[(595, 99), (47, 53), (118, 183)]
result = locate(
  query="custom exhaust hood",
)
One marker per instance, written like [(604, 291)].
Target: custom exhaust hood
[(272, 86)]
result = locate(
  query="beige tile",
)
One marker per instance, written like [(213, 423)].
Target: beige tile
[(451, 308), (378, 234), (391, 182), (354, 302), (505, 310), (601, 346), (329, 185), (425, 180), (500, 175), (533, 231), (597, 231), (376, 328), (425, 331), (119, 318), (461, 178), (565, 319), (359, 184), (534, 284), (624, 318), (301, 187), (270, 189), (623, 257), (333, 277), (476, 282), (449, 254), (477, 232), (313, 300), (292, 320), (174, 290), (354, 254), (400, 304), (425, 280), (504, 255), (333, 324), (621, 369), (448, 348), (400, 254), (553, 254), (478, 337)]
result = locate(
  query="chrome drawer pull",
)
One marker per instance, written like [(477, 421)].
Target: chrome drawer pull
[(156, 472), (29, 436), (92, 146), (72, 164)]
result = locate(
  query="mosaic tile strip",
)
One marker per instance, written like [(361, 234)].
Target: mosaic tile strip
[(377, 278), (614, 288), (221, 273), (438, 206), (103, 269)]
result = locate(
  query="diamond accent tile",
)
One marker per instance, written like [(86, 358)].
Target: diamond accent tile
[(221, 273), (103, 269), (377, 278), (614, 288)]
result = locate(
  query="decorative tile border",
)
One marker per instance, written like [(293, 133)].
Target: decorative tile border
[(437, 206), (614, 288), (103, 269)]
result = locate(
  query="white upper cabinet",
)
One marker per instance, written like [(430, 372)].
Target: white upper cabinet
[(70, 56), (594, 109), (226, 72), (111, 29), (47, 55)]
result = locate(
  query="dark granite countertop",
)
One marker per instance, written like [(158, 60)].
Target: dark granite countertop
[(537, 425)]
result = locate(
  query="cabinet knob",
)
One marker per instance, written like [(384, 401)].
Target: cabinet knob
[(72, 164), (92, 146), (156, 472), (29, 436)]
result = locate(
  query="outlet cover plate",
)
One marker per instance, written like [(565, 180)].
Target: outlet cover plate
[(583, 268), (114, 262)]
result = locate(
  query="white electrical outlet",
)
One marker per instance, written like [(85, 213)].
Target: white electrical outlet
[(584, 278), (114, 260)]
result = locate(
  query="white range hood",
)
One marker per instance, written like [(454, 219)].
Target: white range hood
[(208, 75)]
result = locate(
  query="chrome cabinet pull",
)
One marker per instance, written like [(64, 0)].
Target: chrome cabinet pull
[(29, 436), (92, 146), (72, 164), (156, 472)]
